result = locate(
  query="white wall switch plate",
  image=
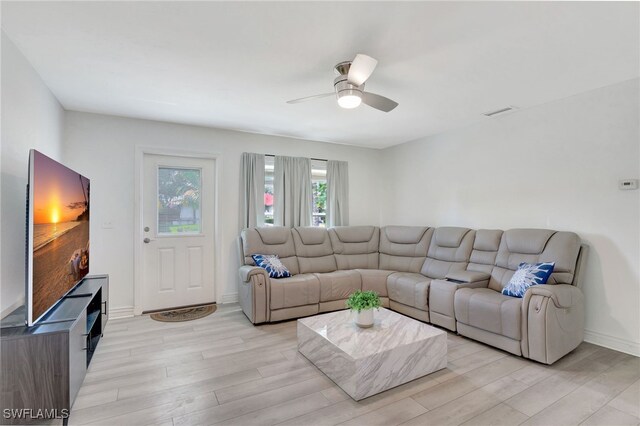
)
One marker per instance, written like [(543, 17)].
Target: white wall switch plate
[(628, 184)]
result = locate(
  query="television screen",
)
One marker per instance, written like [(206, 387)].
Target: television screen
[(58, 233)]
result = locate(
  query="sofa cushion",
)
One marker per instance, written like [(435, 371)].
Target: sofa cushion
[(298, 290), (338, 285), (355, 246), (449, 251), (313, 249), (375, 280), (270, 240), (528, 274), (489, 310), (271, 263), (409, 289), (354, 239), (357, 261), (485, 250), (317, 264), (404, 248)]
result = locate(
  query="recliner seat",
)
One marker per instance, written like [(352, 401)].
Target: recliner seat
[(404, 249), (449, 276), (476, 275), (356, 249), (448, 250), (487, 315), (315, 256)]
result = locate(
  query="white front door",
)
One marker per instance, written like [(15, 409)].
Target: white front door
[(178, 231)]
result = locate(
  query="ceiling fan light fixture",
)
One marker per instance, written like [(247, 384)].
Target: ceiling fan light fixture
[(349, 100), (349, 86)]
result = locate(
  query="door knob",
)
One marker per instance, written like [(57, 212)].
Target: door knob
[(147, 240)]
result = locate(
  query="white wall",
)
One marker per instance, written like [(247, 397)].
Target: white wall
[(102, 148), (553, 166), (31, 118)]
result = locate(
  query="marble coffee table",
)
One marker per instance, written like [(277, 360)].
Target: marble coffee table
[(367, 361)]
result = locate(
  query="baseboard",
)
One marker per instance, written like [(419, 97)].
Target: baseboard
[(122, 312), (616, 343), (6, 311), (229, 298)]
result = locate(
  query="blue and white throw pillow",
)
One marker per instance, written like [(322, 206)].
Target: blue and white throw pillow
[(528, 274), (272, 264)]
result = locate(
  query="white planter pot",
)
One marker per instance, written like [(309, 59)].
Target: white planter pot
[(364, 318)]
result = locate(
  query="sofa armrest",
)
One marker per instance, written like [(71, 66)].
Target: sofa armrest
[(563, 296), (467, 276), (247, 271), (552, 321), (253, 293)]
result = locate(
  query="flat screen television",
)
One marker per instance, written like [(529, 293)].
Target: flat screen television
[(57, 233)]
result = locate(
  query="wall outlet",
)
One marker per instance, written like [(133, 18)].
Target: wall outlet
[(626, 184), (107, 225)]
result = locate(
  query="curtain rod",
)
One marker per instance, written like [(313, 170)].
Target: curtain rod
[(316, 159)]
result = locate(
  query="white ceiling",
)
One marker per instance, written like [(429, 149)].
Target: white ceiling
[(233, 65)]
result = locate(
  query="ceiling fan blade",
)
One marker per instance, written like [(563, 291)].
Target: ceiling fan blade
[(378, 102), (310, 98), (361, 69)]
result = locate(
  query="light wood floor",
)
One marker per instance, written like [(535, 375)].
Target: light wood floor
[(222, 369)]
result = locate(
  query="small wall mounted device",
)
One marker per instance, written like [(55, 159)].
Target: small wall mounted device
[(626, 184)]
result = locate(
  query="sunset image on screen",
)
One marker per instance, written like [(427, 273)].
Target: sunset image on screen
[(60, 231)]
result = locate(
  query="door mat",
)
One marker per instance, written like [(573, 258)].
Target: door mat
[(184, 314)]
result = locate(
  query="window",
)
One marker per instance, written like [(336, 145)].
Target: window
[(318, 188), (268, 190), (178, 201), (319, 191)]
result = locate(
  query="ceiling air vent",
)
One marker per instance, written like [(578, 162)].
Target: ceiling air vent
[(499, 111)]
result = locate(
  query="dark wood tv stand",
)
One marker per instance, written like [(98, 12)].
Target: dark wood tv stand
[(43, 366)]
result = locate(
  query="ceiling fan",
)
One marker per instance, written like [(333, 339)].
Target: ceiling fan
[(349, 86)]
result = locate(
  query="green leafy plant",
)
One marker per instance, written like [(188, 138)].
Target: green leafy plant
[(362, 300), (319, 197)]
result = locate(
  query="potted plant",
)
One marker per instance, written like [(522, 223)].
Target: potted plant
[(363, 303)]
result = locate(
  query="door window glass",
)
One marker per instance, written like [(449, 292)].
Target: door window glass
[(179, 201)]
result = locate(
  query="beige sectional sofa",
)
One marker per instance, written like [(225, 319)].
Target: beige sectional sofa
[(449, 276)]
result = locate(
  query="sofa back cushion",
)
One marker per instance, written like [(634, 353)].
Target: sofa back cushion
[(270, 240), (313, 249), (485, 250), (355, 247), (532, 246), (404, 248), (449, 250)]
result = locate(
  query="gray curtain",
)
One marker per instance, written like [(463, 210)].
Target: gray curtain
[(337, 193), (251, 190), (292, 191)]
